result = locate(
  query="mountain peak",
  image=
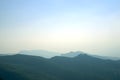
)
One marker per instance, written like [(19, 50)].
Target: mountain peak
[(73, 54)]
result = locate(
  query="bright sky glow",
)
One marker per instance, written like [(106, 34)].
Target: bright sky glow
[(92, 26)]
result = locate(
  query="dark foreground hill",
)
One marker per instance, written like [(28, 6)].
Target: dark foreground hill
[(81, 67)]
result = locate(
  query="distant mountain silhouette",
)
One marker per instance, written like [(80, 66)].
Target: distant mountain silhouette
[(50, 54), (107, 57), (74, 54), (43, 53), (81, 67)]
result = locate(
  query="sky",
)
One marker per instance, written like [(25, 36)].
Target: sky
[(92, 26)]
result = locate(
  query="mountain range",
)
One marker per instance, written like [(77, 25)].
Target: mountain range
[(76, 53), (43, 53), (50, 54), (79, 67)]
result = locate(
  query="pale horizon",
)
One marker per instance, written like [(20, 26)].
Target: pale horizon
[(60, 26)]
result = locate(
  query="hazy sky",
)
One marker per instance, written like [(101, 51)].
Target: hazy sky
[(91, 26)]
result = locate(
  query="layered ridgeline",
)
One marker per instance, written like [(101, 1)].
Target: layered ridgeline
[(74, 54), (80, 67), (42, 53), (50, 54)]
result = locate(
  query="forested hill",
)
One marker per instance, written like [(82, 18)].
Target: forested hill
[(81, 67)]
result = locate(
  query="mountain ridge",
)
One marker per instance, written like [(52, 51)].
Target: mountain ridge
[(50, 54), (82, 67)]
